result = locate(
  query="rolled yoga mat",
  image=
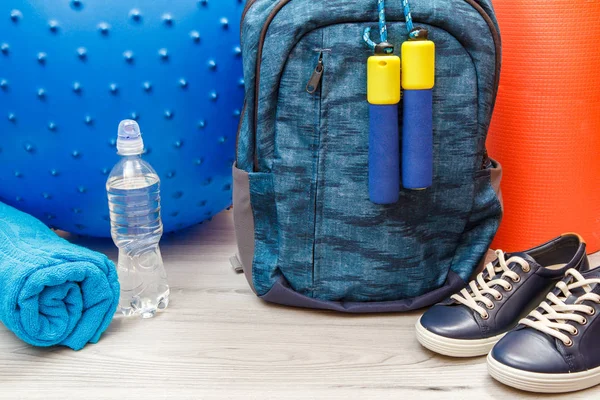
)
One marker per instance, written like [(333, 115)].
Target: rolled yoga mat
[(546, 126), (51, 291)]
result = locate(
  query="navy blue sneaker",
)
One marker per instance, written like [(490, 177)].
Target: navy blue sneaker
[(472, 321), (556, 349)]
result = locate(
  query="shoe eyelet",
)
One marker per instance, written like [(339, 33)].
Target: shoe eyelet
[(592, 312), (509, 288), (490, 307), (485, 316), (527, 269), (499, 298), (576, 332), (569, 343), (517, 280), (584, 322)]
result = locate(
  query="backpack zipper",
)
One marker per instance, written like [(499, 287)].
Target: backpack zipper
[(282, 3), (315, 80)]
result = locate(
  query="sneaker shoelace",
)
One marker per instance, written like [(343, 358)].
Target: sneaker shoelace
[(475, 294), (557, 313)]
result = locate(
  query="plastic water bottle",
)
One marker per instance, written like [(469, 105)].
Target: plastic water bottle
[(133, 189)]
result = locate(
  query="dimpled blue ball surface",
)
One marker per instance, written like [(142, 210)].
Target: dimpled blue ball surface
[(71, 70)]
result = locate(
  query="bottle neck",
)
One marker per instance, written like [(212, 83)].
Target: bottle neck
[(131, 156)]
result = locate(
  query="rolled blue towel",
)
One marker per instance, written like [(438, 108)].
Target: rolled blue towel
[(52, 292)]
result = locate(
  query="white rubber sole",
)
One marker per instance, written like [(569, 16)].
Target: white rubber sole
[(542, 383), (455, 347)]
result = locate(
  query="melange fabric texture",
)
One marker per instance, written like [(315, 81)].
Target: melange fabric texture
[(315, 228), (51, 291)]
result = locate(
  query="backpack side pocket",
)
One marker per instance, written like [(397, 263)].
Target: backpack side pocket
[(256, 227), (243, 220)]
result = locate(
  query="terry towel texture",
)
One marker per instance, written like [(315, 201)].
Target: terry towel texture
[(51, 291)]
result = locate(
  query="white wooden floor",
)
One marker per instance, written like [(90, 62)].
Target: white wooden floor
[(217, 340)]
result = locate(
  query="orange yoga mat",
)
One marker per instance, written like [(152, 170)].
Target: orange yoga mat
[(546, 127)]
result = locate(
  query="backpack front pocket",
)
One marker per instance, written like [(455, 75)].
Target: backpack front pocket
[(296, 161)]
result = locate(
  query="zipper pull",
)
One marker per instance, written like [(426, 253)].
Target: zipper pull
[(315, 79)]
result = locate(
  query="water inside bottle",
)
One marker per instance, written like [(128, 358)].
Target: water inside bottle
[(134, 203)]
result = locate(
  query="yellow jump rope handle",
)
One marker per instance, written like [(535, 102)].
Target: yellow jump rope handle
[(418, 65), (383, 79)]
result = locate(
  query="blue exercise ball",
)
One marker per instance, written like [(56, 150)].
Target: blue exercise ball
[(71, 70)]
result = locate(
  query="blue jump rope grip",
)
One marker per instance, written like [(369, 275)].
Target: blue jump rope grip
[(417, 139), (384, 154)]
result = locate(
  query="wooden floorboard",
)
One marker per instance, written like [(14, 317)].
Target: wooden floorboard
[(217, 340)]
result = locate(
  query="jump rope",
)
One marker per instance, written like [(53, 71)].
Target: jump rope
[(387, 74)]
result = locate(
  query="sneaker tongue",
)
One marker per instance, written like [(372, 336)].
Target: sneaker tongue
[(524, 256), (580, 291), (593, 273), (514, 266)]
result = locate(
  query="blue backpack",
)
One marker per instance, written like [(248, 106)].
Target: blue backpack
[(308, 235)]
